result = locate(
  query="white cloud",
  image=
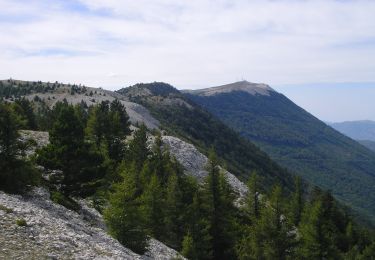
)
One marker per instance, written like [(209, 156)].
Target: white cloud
[(188, 43)]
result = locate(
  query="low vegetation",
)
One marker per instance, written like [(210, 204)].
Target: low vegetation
[(21, 222), (7, 210)]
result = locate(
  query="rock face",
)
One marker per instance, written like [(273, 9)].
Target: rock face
[(252, 88), (54, 232), (194, 163)]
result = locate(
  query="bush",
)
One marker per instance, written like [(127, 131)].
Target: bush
[(7, 210), (21, 222), (65, 201)]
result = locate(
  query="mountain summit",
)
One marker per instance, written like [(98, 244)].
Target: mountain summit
[(245, 86), (296, 140)]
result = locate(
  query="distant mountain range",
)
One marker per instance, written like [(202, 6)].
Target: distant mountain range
[(296, 140), (369, 144), (358, 130), (363, 131)]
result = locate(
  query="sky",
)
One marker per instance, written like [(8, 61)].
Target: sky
[(302, 48)]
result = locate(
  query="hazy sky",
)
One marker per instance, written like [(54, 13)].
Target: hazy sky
[(193, 43)]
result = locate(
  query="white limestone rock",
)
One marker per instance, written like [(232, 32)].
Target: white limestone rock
[(194, 163)]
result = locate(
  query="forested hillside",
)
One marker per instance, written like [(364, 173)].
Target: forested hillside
[(300, 142), (141, 190), (185, 119)]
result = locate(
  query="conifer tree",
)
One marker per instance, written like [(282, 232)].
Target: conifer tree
[(200, 228), (252, 203), (270, 236), (317, 233), (188, 247), (278, 235), (173, 212), (67, 151), (297, 203), (311, 231), (27, 112), (138, 151), (16, 172), (219, 207), (124, 217), (153, 207)]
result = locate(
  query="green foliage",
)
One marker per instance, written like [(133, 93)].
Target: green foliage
[(301, 143), (65, 201), (271, 235), (67, 151), (124, 216), (185, 119), (6, 209), (296, 204), (26, 111), (138, 151), (218, 205), (252, 197), (188, 248), (17, 172), (152, 207), (21, 222)]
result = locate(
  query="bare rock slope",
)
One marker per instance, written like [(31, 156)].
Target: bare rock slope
[(53, 232), (194, 163)]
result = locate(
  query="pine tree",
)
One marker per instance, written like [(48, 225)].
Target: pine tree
[(297, 203), (312, 235), (98, 123), (219, 207), (118, 130), (200, 227), (188, 247), (278, 233), (26, 111), (153, 207), (138, 151), (173, 210), (318, 231), (81, 163), (270, 236), (16, 172), (252, 203), (124, 217)]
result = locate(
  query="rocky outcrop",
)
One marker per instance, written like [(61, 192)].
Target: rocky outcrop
[(194, 163), (51, 231)]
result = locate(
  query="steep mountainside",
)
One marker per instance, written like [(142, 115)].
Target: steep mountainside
[(296, 139), (183, 118), (357, 130)]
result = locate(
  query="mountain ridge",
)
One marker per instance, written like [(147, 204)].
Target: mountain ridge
[(357, 130), (300, 142), (249, 87)]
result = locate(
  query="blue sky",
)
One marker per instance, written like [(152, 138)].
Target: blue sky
[(289, 44)]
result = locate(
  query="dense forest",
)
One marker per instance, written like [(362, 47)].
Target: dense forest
[(300, 142), (142, 191)]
